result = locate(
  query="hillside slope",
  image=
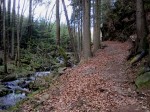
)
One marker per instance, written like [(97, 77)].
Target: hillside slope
[(99, 85)]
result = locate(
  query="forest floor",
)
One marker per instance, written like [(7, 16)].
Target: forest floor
[(101, 84)]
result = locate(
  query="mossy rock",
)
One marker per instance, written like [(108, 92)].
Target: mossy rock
[(41, 82), (10, 77), (143, 80)]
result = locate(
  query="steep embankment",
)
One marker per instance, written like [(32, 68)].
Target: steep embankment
[(98, 85)]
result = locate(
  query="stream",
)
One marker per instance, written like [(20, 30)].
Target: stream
[(18, 90)]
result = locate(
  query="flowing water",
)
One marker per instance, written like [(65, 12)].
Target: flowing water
[(18, 85)]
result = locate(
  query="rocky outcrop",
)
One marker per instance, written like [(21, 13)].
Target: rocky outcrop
[(121, 21)]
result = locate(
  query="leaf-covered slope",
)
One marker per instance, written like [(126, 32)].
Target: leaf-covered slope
[(98, 85)]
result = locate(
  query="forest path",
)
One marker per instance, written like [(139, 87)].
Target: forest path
[(99, 85)]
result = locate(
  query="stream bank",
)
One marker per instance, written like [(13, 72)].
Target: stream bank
[(20, 88), (100, 84), (15, 88)]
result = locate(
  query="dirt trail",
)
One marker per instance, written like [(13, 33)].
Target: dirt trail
[(98, 85)]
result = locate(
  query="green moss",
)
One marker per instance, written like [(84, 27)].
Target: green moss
[(141, 71), (143, 80), (30, 98)]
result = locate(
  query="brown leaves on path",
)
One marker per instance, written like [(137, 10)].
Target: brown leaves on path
[(98, 85)]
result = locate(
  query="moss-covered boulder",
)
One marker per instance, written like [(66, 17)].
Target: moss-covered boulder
[(10, 77), (41, 82), (143, 80)]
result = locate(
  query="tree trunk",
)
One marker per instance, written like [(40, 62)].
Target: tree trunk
[(96, 38), (9, 26), (4, 36), (57, 24), (18, 36), (13, 29), (79, 32), (1, 24), (86, 30), (21, 19), (30, 20), (74, 26), (78, 41), (80, 28), (94, 22), (140, 26), (70, 32)]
